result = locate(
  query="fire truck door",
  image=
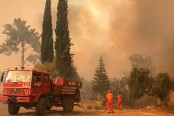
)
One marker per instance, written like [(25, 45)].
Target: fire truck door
[(36, 83), (46, 84)]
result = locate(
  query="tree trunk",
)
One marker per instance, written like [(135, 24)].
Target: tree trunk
[(22, 56)]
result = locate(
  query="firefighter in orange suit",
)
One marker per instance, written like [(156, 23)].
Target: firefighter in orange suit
[(119, 101), (109, 98)]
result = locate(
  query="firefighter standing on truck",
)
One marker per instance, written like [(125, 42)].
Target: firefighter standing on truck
[(109, 98)]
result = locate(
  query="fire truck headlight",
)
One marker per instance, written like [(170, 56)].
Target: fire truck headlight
[(26, 85), (26, 91)]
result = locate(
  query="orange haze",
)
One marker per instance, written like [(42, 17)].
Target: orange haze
[(114, 29)]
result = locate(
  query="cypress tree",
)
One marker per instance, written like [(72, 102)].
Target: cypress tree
[(47, 52), (64, 62), (100, 83)]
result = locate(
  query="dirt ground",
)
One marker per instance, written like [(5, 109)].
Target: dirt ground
[(79, 111)]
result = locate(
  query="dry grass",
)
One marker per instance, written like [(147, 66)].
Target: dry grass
[(94, 105)]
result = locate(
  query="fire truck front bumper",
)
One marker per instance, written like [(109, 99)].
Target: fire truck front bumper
[(14, 99), (23, 99)]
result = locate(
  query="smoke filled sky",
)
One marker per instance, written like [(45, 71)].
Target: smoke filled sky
[(114, 29)]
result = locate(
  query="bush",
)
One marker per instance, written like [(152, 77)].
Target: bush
[(49, 67), (171, 106), (89, 107), (98, 105), (162, 86), (95, 105)]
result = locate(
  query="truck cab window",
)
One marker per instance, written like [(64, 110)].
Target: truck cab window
[(46, 78), (38, 78)]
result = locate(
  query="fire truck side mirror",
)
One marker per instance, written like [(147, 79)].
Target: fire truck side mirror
[(2, 77)]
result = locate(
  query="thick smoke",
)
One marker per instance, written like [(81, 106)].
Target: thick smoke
[(114, 29), (154, 31), (100, 28), (120, 29)]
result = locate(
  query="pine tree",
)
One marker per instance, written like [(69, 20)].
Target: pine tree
[(47, 52), (100, 83), (64, 62), (20, 37)]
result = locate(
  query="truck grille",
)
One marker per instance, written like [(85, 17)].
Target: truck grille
[(15, 91)]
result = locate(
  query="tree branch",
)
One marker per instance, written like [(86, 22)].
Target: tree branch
[(19, 50), (27, 48)]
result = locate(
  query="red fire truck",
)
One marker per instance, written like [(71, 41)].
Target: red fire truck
[(31, 88)]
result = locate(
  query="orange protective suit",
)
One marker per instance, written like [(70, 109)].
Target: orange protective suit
[(109, 98), (119, 102)]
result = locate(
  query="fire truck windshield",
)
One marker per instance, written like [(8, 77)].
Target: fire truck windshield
[(18, 76)]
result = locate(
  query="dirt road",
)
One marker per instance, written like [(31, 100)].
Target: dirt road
[(78, 111)]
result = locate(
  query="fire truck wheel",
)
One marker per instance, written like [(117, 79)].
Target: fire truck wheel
[(12, 109), (48, 105), (68, 104), (41, 106)]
